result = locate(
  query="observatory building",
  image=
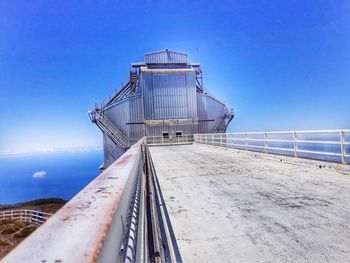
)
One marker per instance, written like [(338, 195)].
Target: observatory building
[(163, 98)]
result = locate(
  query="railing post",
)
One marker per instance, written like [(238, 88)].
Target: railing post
[(265, 143), (295, 144), (212, 139), (342, 147), (221, 139), (246, 141)]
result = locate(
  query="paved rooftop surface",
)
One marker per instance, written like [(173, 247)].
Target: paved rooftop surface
[(227, 207)]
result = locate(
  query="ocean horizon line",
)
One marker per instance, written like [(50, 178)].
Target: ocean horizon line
[(17, 152)]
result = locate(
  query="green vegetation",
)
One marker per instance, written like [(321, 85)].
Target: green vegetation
[(5, 222), (10, 229), (4, 243), (24, 232), (21, 224)]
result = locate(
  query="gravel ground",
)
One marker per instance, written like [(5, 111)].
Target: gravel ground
[(226, 207)]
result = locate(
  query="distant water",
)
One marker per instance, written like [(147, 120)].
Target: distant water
[(66, 175)]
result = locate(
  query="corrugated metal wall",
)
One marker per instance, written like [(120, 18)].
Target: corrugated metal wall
[(119, 114), (157, 130), (169, 96), (125, 114), (136, 119), (110, 150), (166, 57), (208, 109)]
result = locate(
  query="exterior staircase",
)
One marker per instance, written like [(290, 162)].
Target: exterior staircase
[(117, 136), (221, 124)]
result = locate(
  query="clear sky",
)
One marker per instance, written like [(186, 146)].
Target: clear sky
[(283, 65)]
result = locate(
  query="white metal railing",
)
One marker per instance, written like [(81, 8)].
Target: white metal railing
[(32, 216), (328, 145), (161, 140)]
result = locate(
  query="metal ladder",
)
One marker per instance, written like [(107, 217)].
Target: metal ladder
[(109, 128)]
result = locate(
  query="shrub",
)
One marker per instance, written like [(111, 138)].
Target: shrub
[(10, 229), (4, 243), (6, 221), (24, 232), (19, 224)]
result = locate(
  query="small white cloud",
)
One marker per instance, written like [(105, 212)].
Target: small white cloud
[(39, 174)]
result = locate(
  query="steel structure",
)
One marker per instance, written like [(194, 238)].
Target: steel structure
[(165, 97)]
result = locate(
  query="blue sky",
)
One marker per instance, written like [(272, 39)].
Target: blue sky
[(283, 65)]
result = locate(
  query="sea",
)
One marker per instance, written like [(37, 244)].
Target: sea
[(45, 175)]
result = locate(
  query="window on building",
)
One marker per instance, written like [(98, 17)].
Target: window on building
[(178, 134), (165, 135)]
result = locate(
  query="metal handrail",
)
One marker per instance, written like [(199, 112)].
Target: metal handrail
[(114, 93), (115, 218), (297, 144), (92, 225), (220, 121)]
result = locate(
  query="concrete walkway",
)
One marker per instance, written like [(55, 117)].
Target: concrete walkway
[(227, 207)]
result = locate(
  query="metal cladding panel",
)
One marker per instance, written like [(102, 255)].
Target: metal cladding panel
[(124, 114), (158, 130), (209, 111), (169, 96), (119, 114), (127, 116), (111, 151), (135, 109), (136, 129), (166, 57)]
